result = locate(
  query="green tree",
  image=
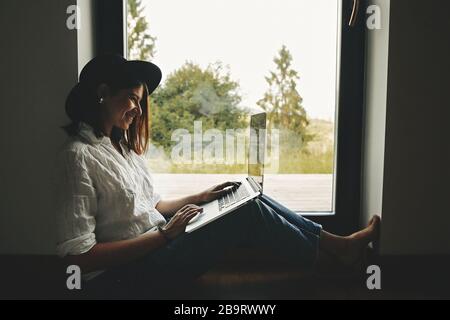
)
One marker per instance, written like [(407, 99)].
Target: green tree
[(194, 94), (141, 45), (282, 101)]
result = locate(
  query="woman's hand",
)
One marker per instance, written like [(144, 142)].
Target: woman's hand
[(177, 225), (217, 191)]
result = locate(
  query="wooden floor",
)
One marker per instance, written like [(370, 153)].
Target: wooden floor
[(299, 192)]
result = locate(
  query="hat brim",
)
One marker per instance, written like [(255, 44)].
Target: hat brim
[(144, 71)]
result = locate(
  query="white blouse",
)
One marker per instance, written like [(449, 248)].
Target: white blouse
[(101, 196)]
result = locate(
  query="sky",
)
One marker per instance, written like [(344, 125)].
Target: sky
[(246, 35)]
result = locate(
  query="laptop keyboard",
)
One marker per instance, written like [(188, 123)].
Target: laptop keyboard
[(232, 197)]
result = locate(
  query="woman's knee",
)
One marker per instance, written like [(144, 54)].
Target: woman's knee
[(262, 209), (245, 215), (255, 208), (248, 217)]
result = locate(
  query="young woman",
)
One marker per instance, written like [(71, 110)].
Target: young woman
[(118, 230)]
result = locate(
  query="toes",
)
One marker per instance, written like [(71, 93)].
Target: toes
[(377, 222), (375, 227), (374, 219)]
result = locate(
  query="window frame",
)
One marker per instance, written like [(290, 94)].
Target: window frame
[(110, 26), (349, 125), (111, 33)]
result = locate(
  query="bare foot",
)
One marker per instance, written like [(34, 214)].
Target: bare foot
[(357, 243)]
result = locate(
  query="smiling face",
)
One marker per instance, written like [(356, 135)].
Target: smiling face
[(123, 107)]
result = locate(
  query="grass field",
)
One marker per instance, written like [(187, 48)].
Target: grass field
[(315, 158)]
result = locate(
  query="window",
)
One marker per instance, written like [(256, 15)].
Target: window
[(222, 60)]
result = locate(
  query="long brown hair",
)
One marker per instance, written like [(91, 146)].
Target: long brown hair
[(82, 106)]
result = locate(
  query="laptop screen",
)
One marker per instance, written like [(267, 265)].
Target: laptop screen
[(257, 147)]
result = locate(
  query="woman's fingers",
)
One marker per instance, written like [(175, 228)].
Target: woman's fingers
[(191, 210), (223, 191), (186, 208), (221, 187), (184, 212), (189, 216), (224, 185), (180, 220), (233, 184)]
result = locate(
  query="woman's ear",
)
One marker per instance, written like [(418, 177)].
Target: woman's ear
[(103, 92)]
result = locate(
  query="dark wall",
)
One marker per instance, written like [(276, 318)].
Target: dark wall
[(416, 197), (38, 67)]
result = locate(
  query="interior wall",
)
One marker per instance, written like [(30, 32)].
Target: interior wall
[(86, 34), (377, 52), (39, 66), (416, 214)]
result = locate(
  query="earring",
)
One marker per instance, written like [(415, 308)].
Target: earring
[(101, 101)]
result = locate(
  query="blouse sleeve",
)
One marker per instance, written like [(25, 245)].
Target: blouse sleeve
[(155, 196), (76, 203)]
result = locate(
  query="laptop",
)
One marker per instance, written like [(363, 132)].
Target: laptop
[(250, 187)]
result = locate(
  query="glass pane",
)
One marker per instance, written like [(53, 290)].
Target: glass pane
[(223, 60)]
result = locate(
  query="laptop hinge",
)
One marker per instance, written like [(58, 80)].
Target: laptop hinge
[(254, 184)]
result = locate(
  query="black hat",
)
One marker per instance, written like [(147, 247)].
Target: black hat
[(110, 68)]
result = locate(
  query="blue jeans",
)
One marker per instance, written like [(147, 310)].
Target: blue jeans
[(260, 223)]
